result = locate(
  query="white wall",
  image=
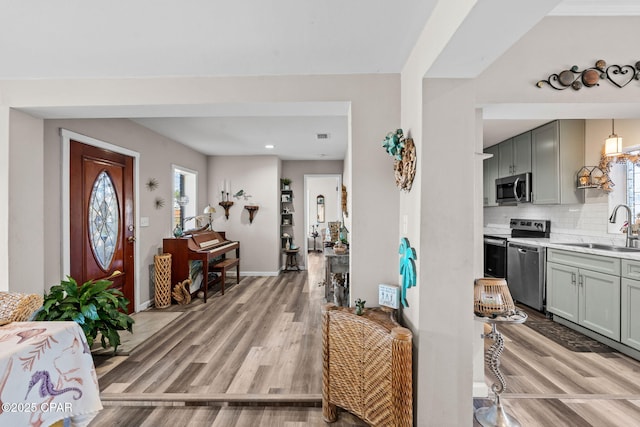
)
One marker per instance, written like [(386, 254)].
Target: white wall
[(26, 195), (260, 240), (4, 197), (368, 179), (442, 359), (556, 44)]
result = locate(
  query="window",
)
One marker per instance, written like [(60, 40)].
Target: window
[(633, 188), (184, 197)]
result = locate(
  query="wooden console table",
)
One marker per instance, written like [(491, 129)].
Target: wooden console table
[(335, 264)]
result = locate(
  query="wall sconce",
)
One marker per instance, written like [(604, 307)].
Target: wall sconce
[(613, 144), (226, 205), (252, 211)]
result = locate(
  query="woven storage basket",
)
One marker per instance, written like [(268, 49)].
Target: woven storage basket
[(492, 297), (367, 367), (162, 276), (17, 307)]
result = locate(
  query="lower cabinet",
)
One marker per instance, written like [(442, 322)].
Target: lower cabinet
[(600, 303), (583, 296), (630, 304), (562, 291)]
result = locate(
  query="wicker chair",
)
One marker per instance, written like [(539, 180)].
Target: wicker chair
[(17, 307), (367, 367)]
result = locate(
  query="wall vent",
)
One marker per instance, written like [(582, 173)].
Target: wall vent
[(322, 136)]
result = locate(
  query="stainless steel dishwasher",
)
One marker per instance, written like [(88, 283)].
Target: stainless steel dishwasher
[(526, 274)]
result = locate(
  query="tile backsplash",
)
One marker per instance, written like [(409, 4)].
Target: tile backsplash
[(589, 219)]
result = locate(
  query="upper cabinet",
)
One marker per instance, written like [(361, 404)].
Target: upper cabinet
[(490, 171), (557, 154), (515, 155)]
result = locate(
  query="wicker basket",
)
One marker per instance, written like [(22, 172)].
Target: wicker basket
[(367, 367), (162, 276), (17, 307), (492, 298)]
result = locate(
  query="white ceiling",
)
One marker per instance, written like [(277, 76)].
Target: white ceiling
[(40, 39), (293, 138), (146, 38)]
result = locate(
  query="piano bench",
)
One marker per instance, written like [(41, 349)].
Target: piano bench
[(223, 266)]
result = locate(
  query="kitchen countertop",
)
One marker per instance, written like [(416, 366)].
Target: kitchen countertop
[(559, 242), (613, 254)]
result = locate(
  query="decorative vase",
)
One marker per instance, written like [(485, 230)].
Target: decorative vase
[(177, 232)]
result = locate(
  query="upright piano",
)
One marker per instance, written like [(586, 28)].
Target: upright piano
[(202, 246)]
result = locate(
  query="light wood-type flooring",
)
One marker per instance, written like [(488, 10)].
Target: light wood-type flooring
[(548, 385), (249, 358), (253, 358)]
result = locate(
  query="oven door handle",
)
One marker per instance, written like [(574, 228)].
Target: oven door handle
[(496, 242)]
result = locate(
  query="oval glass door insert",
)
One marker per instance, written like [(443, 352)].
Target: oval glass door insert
[(104, 220)]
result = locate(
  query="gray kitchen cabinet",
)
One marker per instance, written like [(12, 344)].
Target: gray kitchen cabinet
[(599, 303), (630, 313), (515, 155), (557, 153), (630, 304), (585, 289), (562, 291), (490, 174)]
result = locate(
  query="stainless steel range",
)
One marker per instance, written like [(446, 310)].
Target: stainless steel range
[(526, 262)]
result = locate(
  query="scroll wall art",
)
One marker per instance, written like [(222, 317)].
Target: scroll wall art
[(403, 150), (576, 79)]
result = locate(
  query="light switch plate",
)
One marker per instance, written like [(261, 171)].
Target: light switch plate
[(144, 221)]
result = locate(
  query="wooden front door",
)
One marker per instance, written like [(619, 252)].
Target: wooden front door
[(102, 233)]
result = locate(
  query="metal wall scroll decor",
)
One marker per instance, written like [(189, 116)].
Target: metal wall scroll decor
[(403, 150), (618, 75)]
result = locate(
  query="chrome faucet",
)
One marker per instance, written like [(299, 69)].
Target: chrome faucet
[(612, 219)]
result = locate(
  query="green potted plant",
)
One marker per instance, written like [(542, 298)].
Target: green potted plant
[(284, 182), (94, 306)]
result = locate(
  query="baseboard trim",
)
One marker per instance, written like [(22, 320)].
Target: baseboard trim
[(144, 305), (254, 273)]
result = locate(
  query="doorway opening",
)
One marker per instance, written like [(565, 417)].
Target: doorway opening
[(322, 206)]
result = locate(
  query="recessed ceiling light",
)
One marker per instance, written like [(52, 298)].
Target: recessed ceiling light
[(269, 146)]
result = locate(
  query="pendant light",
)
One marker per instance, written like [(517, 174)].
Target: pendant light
[(613, 144)]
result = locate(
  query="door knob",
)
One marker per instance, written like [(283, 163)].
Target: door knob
[(131, 239)]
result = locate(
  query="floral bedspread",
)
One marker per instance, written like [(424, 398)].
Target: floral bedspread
[(46, 375)]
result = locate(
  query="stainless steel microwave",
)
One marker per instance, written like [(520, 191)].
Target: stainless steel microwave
[(514, 189)]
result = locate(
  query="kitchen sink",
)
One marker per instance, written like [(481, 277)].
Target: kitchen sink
[(602, 246)]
